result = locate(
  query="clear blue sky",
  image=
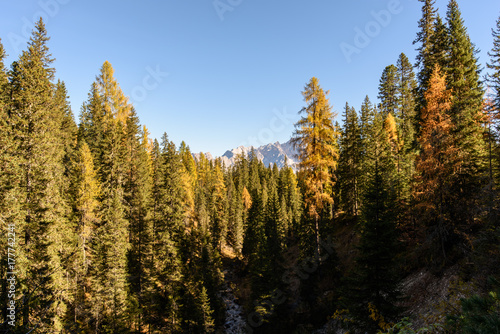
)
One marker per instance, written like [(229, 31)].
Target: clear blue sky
[(231, 70)]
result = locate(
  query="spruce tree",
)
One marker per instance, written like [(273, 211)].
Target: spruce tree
[(405, 118), (234, 214), (290, 193), (218, 207), (138, 197), (424, 38), (368, 112), (254, 230), (10, 191), (168, 234), (493, 79), (69, 129), (376, 280), (439, 51), (468, 118), (349, 169), (388, 91), (494, 66), (36, 128)]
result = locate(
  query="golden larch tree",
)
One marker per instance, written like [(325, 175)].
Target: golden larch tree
[(315, 138), (438, 160)]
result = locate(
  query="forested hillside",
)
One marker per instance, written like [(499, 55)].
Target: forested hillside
[(106, 230)]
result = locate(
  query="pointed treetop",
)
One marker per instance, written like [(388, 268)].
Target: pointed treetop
[(494, 65), (37, 47), (115, 101), (3, 55), (426, 25)]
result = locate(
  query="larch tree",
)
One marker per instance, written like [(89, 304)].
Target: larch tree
[(437, 163), (87, 209), (189, 176), (315, 137), (106, 136), (115, 101)]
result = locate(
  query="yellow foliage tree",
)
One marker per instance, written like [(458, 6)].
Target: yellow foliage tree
[(315, 138)]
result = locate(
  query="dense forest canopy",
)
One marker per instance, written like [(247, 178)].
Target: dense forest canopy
[(106, 230)]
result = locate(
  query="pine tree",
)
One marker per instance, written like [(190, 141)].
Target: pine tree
[(437, 162), (350, 162), (315, 138), (36, 128)]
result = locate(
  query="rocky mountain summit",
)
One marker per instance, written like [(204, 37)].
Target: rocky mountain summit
[(273, 153)]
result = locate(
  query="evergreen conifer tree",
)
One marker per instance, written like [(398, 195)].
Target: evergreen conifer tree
[(468, 119), (36, 127), (374, 293), (494, 65), (388, 89), (350, 162)]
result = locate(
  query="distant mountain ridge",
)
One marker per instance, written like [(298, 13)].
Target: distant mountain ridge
[(269, 154)]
